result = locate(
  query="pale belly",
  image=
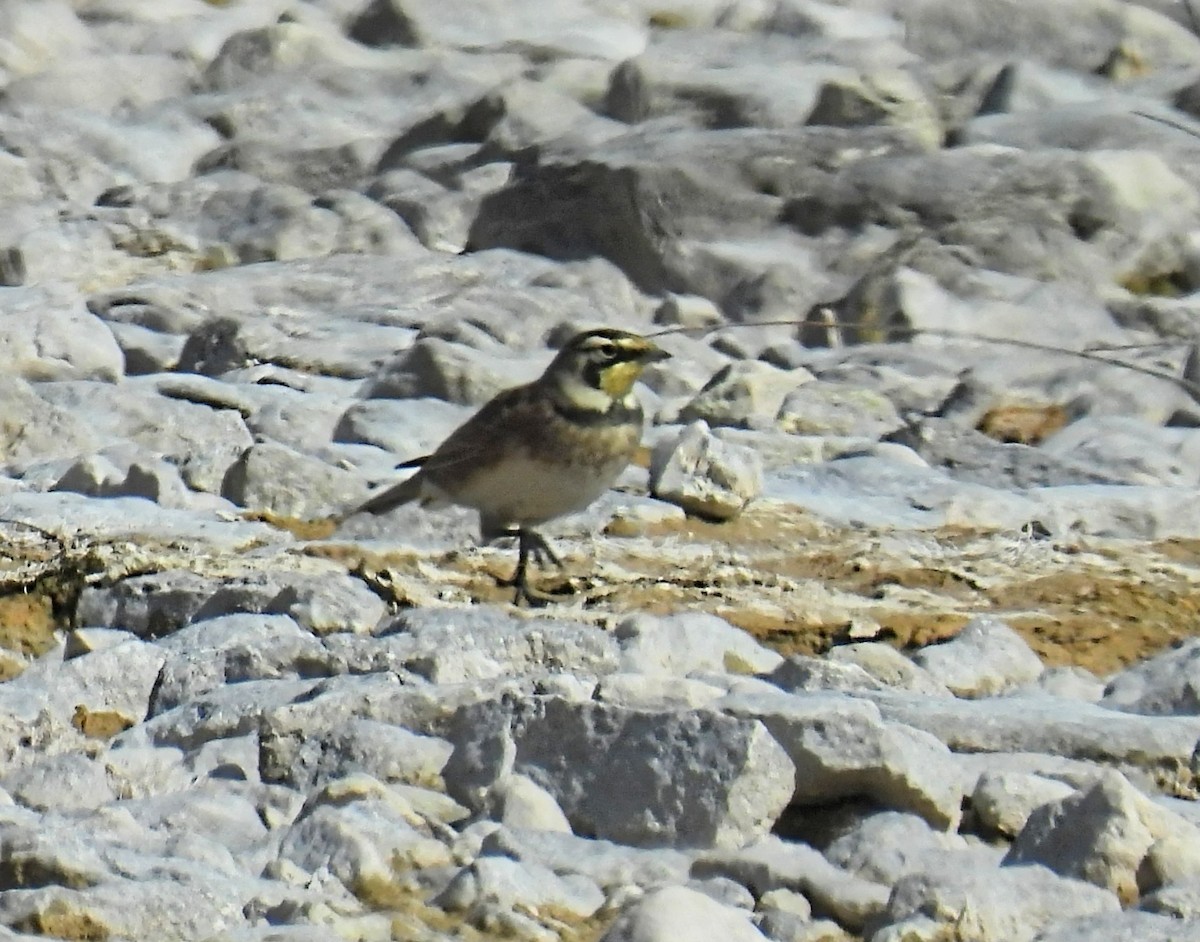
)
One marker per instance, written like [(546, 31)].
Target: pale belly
[(522, 491)]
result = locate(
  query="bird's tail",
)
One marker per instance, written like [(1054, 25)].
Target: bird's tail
[(391, 497)]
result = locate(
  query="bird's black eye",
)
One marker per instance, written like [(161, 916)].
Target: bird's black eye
[(607, 350)]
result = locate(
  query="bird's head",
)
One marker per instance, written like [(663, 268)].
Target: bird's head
[(599, 367)]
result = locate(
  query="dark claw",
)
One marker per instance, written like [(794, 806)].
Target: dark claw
[(530, 545)]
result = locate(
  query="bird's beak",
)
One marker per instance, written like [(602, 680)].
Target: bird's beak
[(653, 354)]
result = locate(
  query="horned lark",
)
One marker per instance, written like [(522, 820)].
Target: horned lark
[(539, 451)]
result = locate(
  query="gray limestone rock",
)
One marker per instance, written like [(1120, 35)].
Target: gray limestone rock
[(884, 847), (253, 255), (1176, 903), (277, 479), (161, 603), (677, 645), (803, 674), (704, 475), (985, 658), (508, 884), (719, 79), (203, 441), (886, 96), (117, 678), (222, 713), (595, 195), (436, 369), (1100, 834), (609, 865), (65, 783), (888, 666), (1162, 685), (1002, 802), (384, 751), (679, 914), (125, 518), (1010, 903), (450, 645), (211, 653), (1158, 747), (771, 864), (827, 408), (746, 394), (50, 335), (521, 802), (188, 907), (696, 778), (650, 692), (123, 472), (573, 28), (358, 835), (45, 431), (408, 428), (842, 747), (1132, 924)]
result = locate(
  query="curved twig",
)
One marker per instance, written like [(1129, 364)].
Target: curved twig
[(901, 332)]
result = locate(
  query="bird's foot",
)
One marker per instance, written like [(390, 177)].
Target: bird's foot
[(537, 547), (531, 546)]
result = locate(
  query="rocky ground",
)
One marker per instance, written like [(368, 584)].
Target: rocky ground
[(890, 634)]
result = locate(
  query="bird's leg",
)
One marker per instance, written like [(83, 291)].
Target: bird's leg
[(539, 548), (530, 543)]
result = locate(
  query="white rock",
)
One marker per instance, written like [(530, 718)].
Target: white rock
[(985, 658), (451, 645), (1163, 684), (1003, 801), (359, 842), (119, 677), (1101, 834), (883, 847), (775, 864), (437, 369), (677, 914), (647, 778), (521, 802), (66, 782), (889, 666), (1172, 860), (1133, 925), (801, 673), (275, 478), (1158, 747), (678, 644), (38, 33), (705, 475), (842, 748), (828, 408), (507, 884), (744, 394), (386, 751), (51, 335), (211, 653), (228, 710), (640, 692), (784, 913), (1071, 682), (605, 863), (988, 903), (166, 904)]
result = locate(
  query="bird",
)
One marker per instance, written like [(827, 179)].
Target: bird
[(539, 451)]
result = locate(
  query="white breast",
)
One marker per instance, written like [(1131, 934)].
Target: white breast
[(524, 491)]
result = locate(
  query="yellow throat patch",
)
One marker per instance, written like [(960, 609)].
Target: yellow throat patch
[(618, 379)]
